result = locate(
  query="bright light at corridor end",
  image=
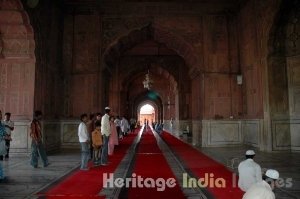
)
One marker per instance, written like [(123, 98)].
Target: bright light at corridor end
[(147, 109)]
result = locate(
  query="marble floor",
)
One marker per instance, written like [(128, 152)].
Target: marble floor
[(24, 181)]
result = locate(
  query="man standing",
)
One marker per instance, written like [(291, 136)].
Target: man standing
[(9, 127), (37, 146), (263, 189), (98, 117), (2, 135), (249, 172), (105, 131), (124, 126), (84, 142)]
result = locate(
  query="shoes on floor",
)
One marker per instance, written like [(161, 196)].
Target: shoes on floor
[(84, 169), (103, 164)]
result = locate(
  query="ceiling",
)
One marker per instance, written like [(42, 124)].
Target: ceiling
[(194, 6)]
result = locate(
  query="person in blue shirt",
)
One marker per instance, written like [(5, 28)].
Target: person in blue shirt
[(2, 135)]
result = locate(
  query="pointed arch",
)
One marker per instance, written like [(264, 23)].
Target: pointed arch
[(159, 34)]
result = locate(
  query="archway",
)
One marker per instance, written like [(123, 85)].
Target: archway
[(159, 34), (171, 62), (151, 98), (146, 113), (170, 78), (163, 92)]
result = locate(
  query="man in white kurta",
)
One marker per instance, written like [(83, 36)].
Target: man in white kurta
[(105, 131), (84, 142), (263, 190), (249, 172)]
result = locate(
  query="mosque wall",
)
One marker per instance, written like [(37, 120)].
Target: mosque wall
[(82, 56), (69, 74), (255, 21), (269, 58)]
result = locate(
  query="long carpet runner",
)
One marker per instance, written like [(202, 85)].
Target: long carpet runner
[(151, 163), (87, 184), (200, 164)]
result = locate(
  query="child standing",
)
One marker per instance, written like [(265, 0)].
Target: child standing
[(97, 143)]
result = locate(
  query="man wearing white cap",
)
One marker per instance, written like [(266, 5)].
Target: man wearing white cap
[(263, 189), (249, 172), (105, 131)]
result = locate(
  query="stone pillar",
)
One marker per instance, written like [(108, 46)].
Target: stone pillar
[(17, 71), (197, 109), (293, 65)]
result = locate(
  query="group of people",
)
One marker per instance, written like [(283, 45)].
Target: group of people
[(158, 126), (37, 147), (251, 180), (99, 137)]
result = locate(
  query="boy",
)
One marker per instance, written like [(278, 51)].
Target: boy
[(97, 142)]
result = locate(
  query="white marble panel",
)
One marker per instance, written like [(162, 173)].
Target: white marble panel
[(251, 131), (295, 135), (281, 135), (20, 138), (69, 134), (221, 132)]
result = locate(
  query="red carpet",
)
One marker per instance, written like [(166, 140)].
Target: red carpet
[(150, 163), (199, 164), (87, 184)]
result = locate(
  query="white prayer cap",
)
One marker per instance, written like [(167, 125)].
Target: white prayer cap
[(271, 173), (250, 152), (107, 108)]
